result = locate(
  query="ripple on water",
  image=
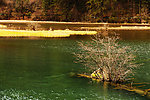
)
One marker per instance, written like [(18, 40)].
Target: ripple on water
[(66, 94), (14, 94)]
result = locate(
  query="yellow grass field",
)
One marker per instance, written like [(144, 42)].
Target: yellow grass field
[(6, 32), (55, 33), (3, 26)]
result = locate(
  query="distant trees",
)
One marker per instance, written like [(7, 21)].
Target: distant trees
[(78, 10), (23, 8), (5, 13), (72, 9), (144, 9), (97, 9), (47, 8), (65, 10), (2, 3), (17, 9)]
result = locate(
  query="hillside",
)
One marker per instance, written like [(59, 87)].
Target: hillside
[(112, 11)]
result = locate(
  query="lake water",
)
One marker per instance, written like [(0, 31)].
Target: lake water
[(39, 69)]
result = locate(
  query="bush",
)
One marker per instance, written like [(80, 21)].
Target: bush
[(33, 26), (106, 59)]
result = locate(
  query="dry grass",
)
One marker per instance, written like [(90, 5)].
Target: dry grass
[(55, 33), (119, 28), (3, 26)]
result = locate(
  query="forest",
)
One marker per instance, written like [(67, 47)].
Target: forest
[(112, 11)]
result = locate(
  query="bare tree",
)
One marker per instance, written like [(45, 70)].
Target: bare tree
[(106, 59)]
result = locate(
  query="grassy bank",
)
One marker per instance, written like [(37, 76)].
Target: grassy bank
[(118, 28), (18, 28), (55, 33), (76, 25)]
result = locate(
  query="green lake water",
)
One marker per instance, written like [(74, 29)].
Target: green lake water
[(39, 69)]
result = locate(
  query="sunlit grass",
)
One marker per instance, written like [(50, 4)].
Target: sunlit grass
[(55, 33), (3, 26)]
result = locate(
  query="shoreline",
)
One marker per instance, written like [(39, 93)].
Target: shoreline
[(122, 28), (84, 23), (82, 28)]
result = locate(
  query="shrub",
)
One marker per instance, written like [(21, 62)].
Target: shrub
[(106, 59), (33, 26)]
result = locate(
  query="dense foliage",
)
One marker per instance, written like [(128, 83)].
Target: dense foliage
[(77, 10)]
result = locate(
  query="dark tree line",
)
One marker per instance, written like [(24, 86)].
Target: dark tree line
[(77, 10)]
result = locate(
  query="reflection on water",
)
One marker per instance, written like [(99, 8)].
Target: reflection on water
[(39, 70), (134, 35)]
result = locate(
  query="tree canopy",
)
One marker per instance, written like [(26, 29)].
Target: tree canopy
[(78, 10)]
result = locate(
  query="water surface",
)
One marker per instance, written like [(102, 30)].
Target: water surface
[(40, 69)]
